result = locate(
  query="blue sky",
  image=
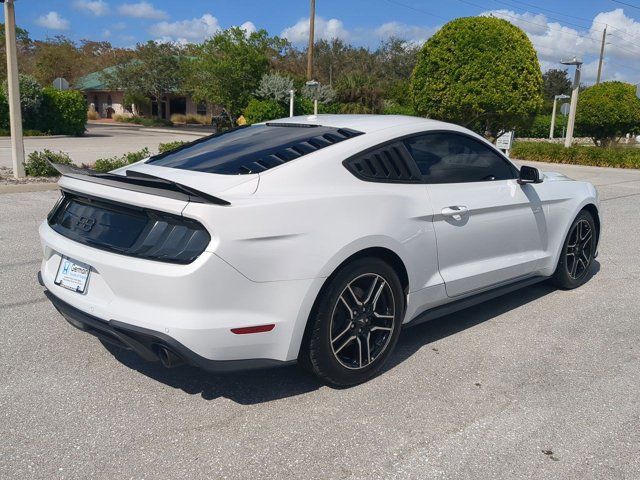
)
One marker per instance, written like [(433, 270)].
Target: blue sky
[(556, 28)]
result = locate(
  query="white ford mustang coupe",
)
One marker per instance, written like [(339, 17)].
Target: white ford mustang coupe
[(310, 239)]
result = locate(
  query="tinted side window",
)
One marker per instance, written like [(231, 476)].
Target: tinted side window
[(453, 158)]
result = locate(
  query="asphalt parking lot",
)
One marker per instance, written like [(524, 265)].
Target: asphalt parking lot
[(539, 384)]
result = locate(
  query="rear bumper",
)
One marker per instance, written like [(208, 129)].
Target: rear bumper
[(146, 343), (197, 306)]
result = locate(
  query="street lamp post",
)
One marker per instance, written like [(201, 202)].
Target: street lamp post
[(314, 85), (15, 116), (553, 114), (574, 99)]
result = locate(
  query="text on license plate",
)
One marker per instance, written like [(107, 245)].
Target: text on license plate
[(73, 275)]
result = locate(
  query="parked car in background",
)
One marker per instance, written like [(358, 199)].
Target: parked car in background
[(310, 239)]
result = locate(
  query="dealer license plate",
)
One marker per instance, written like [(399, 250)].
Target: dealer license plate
[(73, 275)]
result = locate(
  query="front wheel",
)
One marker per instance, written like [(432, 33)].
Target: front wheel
[(577, 253), (356, 323)]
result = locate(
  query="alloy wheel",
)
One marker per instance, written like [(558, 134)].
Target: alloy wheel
[(362, 321), (579, 249)]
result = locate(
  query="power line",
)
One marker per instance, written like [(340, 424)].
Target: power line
[(417, 10), (555, 12), (548, 27), (627, 4)]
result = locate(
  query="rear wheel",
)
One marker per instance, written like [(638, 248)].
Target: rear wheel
[(356, 323), (577, 253)]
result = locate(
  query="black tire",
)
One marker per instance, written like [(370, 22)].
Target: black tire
[(578, 250), (332, 323)]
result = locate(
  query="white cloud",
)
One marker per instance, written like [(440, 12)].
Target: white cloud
[(324, 30), (142, 10), (249, 27), (96, 7), (196, 29), (106, 33), (53, 21), (623, 34), (554, 41), (411, 33)]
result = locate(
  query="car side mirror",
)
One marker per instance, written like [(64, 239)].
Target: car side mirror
[(529, 175)]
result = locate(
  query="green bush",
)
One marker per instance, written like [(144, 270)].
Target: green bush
[(608, 111), (482, 72), (108, 164), (392, 108), (37, 166), (262, 110), (63, 112), (303, 106), (619, 157), (4, 112), (165, 147), (540, 126), (30, 100), (5, 132)]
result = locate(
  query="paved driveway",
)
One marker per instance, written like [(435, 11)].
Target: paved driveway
[(100, 141), (539, 384)]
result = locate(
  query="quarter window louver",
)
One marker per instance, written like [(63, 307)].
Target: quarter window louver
[(390, 163)]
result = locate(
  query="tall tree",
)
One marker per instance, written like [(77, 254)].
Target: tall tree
[(555, 82), (24, 46), (56, 57), (156, 70), (482, 72), (228, 67)]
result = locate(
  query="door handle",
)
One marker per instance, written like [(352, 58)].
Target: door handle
[(455, 211)]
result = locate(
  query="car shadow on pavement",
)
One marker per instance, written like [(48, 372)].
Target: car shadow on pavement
[(258, 386), (415, 338)]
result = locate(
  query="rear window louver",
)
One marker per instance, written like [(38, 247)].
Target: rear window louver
[(252, 149), (390, 163), (297, 150)]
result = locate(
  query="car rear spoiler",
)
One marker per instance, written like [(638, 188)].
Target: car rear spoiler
[(139, 182)]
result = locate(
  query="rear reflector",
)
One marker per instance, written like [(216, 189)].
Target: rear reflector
[(256, 329)]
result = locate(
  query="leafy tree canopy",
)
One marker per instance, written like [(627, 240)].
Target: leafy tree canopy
[(228, 67), (481, 72), (157, 69), (608, 111), (555, 82), (274, 86)]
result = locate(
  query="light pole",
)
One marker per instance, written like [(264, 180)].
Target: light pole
[(553, 114), (15, 115), (313, 86), (574, 98), (291, 99)]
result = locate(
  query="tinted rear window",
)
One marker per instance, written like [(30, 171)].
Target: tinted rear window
[(252, 149)]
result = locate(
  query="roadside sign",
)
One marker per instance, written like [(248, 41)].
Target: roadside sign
[(61, 84), (564, 109), (504, 141)]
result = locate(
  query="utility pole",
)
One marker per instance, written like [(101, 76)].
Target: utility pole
[(15, 115), (312, 24), (604, 40), (574, 99)]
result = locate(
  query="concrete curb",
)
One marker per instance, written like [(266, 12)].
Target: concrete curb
[(28, 187)]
